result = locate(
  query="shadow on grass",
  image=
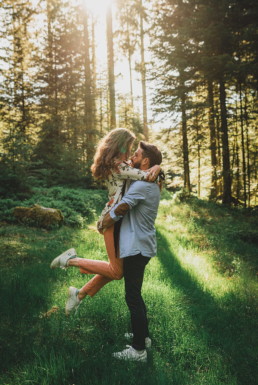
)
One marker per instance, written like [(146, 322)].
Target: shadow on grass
[(27, 284), (229, 230), (228, 322)]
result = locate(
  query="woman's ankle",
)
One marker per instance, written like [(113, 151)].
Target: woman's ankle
[(81, 295), (72, 262)]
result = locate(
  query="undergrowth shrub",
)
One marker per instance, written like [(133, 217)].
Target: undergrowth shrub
[(165, 194), (181, 196), (78, 206), (6, 209)]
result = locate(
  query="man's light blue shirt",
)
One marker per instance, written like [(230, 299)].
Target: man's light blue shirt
[(137, 232)]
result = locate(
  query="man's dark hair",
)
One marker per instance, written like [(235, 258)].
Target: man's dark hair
[(151, 152)]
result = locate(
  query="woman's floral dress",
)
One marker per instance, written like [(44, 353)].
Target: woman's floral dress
[(115, 184)]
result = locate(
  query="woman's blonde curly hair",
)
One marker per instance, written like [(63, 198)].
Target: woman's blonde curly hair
[(116, 143)]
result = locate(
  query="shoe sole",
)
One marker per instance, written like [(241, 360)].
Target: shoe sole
[(144, 360)]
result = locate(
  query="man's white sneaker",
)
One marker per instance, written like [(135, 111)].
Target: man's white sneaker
[(131, 354), (129, 336), (73, 301), (61, 260)]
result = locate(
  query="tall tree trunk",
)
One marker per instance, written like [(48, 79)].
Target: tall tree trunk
[(242, 141), (131, 76), (23, 92), (187, 185), (214, 186), (255, 162), (94, 81), (129, 52), (111, 71), (52, 71), (143, 76), (218, 142), (125, 113), (238, 183), (248, 150), (17, 126), (226, 196), (100, 112), (198, 159), (88, 105), (101, 108), (19, 39)]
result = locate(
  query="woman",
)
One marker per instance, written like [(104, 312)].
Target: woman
[(110, 164)]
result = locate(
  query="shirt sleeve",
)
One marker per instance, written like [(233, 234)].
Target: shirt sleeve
[(128, 172), (136, 193)]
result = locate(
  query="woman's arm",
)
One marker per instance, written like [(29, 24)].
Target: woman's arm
[(128, 172), (154, 172)]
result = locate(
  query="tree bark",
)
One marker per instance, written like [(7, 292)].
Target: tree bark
[(242, 141), (198, 159), (226, 172), (218, 141), (187, 185), (131, 76), (94, 80), (236, 150), (143, 77), (19, 90), (248, 150), (214, 186), (111, 71), (52, 77), (88, 104)]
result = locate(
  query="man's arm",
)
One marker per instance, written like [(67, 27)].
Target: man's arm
[(135, 194), (119, 212)]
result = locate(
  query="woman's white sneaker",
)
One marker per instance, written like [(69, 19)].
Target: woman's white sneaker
[(62, 259), (73, 301), (131, 354)]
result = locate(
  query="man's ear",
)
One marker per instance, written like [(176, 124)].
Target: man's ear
[(146, 163)]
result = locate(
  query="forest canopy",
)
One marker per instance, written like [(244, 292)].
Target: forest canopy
[(181, 73)]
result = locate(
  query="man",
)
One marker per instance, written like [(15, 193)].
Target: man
[(137, 245)]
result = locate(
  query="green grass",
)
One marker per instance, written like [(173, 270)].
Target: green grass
[(200, 294)]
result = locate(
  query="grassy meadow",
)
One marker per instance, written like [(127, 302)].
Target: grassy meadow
[(200, 290)]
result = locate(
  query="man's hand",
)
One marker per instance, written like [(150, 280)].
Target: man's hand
[(121, 210), (107, 221)]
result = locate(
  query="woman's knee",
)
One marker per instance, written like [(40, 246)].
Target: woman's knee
[(118, 275), (116, 271)]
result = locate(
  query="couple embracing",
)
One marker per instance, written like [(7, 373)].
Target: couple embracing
[(127, 224)]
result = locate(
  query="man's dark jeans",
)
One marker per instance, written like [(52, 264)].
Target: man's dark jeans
[(133, 275)]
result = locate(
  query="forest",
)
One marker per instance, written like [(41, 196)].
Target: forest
[(182, 73)]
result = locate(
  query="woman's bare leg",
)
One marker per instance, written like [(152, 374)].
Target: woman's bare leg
[(93, 286), (106, 271)]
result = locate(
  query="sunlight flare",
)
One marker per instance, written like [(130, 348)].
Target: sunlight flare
[(97, 7)]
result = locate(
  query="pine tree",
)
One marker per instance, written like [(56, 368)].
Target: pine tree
[(111, 70), (143, 70), (175, 74), (16, 90), (88, 93), (127, 33), (61, 146)]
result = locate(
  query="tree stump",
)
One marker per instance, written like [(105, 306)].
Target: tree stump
[(39, 216)]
